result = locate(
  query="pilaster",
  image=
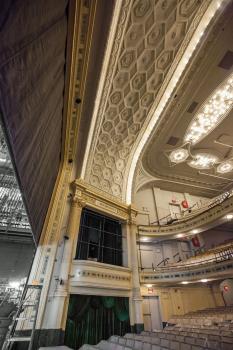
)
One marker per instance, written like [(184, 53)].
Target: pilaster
[(56, 310), (136, 314)]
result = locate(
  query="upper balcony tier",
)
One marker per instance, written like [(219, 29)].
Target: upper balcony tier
[(194, 220)]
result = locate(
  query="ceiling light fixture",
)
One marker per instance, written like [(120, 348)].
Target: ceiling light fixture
[(144, 239), (225, 167), (180, 235), (178, 155), (185, 282), (195, 231), (204, 280), (229, 216), (211, 112), (203, 161)]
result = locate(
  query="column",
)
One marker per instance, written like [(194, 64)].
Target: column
[(136, 314), (57, 306)]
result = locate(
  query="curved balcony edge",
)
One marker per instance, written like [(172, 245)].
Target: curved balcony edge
[(203, 221)]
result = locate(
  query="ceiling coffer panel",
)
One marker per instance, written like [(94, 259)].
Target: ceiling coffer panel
[(152, 34), (32, 58)]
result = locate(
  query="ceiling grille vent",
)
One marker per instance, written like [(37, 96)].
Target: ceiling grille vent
[(172, 141), (227, 60), (192, 107)]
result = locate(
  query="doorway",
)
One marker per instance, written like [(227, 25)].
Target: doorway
[(151, 313)]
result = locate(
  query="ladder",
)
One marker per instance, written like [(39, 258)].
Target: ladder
[(30, 299)]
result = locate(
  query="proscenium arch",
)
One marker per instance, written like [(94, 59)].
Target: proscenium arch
[(179, 70)]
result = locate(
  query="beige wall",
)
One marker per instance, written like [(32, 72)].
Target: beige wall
[(181, 300), (153, 203)]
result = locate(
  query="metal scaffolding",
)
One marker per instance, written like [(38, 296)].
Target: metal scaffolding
[(13, 216)]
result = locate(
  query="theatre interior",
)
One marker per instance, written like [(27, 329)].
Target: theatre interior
[(116, 174)]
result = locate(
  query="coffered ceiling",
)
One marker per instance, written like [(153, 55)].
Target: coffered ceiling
[(200, 82), (148, 37), (147, 42)]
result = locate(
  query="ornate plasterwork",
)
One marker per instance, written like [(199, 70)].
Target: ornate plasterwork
[(174, 109), (141, 177), (164, 96), (88, 195), (94, 274), (212, 270), (149, 35)]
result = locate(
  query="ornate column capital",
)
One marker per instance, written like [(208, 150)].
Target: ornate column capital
[(132, 215), (78, 200)]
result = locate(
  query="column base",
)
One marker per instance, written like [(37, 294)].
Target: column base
[(42, 337), (137, 328)]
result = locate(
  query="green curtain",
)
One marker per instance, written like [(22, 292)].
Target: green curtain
[(93, 318)]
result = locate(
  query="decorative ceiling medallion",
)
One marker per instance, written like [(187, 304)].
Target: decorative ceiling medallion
[(179, 155), (211, 113), (203, 161), (225, 167)]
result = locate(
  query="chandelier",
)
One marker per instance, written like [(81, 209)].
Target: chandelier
[(211, 112)]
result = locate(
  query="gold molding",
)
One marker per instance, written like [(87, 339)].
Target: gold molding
[(94, 198)]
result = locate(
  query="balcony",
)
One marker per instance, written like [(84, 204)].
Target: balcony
[(94, 276), (201, 218), (217, 263)]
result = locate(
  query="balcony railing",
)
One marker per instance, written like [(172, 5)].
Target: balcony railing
[(202, 217), (218, 261)]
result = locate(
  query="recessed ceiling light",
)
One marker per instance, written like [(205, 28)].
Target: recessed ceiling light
[(204, 280), (195, 231), (229, 216), (144, 239), (203, 161), (149, 285), (185, 282), (179, 155), (225, 167), (180, 235), (211, 112)]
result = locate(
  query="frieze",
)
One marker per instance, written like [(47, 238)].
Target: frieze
[(96, 199), (216, 270), (104, 275)]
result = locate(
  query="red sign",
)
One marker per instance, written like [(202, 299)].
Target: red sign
[(196, 242), (184, 204)]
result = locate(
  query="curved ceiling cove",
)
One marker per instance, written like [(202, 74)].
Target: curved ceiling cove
[(211, 113), (151, 44), (174, 79)]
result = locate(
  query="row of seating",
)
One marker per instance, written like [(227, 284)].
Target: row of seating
[(160, 340)]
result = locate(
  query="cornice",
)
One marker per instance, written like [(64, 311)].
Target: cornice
[(96, 199)]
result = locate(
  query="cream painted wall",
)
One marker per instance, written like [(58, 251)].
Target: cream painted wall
[(149, 253), (181, 300), (153, 203)]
